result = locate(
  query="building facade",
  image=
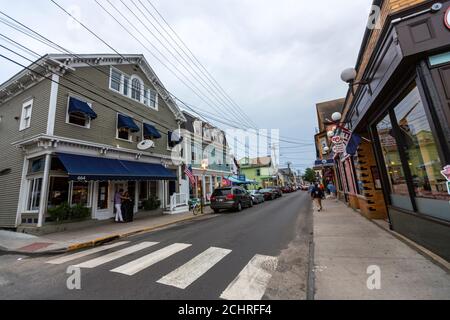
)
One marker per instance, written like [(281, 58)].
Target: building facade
[(262, 170), (204, 143), (401, 109), (71, 132)]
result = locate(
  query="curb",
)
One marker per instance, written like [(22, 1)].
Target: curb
[(434, 258), (441, 262), (103, 240)]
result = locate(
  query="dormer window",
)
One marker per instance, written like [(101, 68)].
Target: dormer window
[(133, 87)]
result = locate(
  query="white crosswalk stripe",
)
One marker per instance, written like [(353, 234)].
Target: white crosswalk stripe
[(140, 264), (194, 269), (85, 253), (115, 255), (252, 281)]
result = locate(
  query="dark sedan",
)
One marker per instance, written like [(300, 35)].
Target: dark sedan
[(268, 194), (232, 198)]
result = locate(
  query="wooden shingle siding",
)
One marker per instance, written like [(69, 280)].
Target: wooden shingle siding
[(10, 156), (103, 129)]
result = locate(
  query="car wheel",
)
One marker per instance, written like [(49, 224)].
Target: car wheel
[(216, 211), (251, 204), (239, 207)]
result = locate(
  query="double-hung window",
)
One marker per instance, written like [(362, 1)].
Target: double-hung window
[(116, 80), (136, 88), (25, 119)]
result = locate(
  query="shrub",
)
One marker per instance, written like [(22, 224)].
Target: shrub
[(152, 203), (65, 212)]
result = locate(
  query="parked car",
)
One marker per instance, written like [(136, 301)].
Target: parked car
[(287, 190), (257, 197), (231, 198), (277, 191), (268, 194)]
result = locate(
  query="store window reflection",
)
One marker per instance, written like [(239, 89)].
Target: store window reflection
[(420, 147), (390, 151)]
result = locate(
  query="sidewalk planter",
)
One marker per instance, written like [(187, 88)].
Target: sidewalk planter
[(66, 213)]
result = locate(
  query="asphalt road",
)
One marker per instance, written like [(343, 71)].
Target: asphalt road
[(231, 256)]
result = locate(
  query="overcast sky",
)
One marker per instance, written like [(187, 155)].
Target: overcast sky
[(276, 59)]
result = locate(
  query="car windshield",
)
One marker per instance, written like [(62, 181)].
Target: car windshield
[(221, 192), (265, 190), (254, 192)]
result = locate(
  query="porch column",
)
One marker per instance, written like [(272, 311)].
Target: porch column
[(21, 206), (136, 197), (44, 191)]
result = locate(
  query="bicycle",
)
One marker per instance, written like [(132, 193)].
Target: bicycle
[(195, 206)]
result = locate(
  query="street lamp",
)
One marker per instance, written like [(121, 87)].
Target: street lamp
[(349, 76), (204, 166)]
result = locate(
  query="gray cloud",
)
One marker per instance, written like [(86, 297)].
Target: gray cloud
[(277, 59)]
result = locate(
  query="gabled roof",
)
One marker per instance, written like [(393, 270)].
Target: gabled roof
[(64, 62)]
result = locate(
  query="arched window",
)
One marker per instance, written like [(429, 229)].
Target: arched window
[(136, 89)]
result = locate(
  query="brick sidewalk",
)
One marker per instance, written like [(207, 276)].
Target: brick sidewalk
[(346, 244)]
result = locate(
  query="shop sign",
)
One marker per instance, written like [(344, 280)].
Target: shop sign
[(446, 172), (339, 148), (336, 139), (447, 18)]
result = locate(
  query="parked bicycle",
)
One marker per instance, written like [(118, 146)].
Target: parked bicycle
[(195, 206)]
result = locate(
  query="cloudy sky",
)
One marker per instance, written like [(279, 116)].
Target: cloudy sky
[(276, 59)]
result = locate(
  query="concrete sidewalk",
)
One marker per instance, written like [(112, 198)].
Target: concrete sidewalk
[(13, 242), (346, 244)]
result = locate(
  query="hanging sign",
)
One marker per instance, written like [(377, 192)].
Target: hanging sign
[(446, 172)]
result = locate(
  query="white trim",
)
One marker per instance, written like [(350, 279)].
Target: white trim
[(44, 191), (52, 104), (27, 104), (21, 206), (130, 134), (88, 119)]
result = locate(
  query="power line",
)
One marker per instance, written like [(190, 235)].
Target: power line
[(194, 60)]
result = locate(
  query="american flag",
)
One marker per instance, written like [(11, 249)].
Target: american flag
[(188, 172)]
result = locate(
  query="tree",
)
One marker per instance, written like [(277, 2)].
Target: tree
[(310, 175)]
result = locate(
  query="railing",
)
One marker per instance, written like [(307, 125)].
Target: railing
[(178, 200)]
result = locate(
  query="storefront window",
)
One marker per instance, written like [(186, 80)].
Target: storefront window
[(80, 193), (153, 188), (58, 192), (143, 190), (389, 148), (421, 151), (103, 195), (34, 194)]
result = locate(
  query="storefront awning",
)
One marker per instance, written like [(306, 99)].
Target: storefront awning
[(237, 181), (78, 106), (125, 122), (150, 131), (84, 168)]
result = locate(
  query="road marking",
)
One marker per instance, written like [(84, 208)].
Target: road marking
[(252, 281), (115, 255), (85, 253), (140, 264), (194, 269)]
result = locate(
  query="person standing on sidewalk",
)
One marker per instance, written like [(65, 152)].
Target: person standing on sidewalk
[(317, 194), (118, 205), (332, 189)]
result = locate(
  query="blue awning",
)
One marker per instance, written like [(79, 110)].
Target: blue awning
[(150, 131), (236, 180), (125, 122), (78, 106), (84, 168), (174, 139)]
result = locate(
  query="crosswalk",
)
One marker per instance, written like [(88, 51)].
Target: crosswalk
[(249, 284)]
